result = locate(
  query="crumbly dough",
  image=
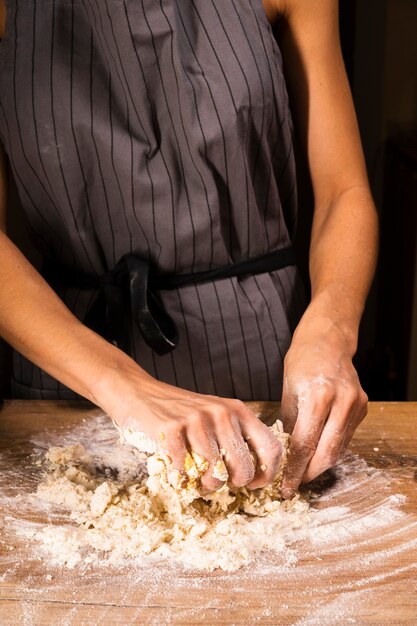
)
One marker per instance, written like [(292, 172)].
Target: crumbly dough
[(163, 513), (137, 439)]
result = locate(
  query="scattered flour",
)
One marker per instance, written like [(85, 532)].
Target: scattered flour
[(161, 512), (357, 550)]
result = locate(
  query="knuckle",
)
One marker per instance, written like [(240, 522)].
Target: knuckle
[(209, 484), (328, 393), (242, 476), (239, 405), (257, 484), (196, 417), (350, 396), (323, 395), (222, 415), (174, 430)]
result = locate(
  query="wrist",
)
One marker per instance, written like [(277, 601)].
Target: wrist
[(332, 311), (115, 381)]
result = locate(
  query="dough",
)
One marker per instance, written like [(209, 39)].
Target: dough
[(162, 513), (137, 439)]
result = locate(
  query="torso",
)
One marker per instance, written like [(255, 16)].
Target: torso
[(181, 154)]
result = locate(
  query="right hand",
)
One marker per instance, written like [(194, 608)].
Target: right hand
[(183, 421), (48, 334)]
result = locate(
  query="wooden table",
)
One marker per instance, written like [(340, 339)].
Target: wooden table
[(358, 565)]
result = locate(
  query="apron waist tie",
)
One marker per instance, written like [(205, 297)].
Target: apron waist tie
[(133, 285)]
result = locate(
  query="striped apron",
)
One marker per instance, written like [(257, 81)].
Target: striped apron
[(159, 129)]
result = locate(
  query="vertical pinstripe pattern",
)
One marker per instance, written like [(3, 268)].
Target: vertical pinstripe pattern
[(162, 128)]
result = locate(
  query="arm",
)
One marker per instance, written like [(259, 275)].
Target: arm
[(38, 324), (323, 401)]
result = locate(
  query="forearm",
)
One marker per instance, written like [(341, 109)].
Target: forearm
[(342, 262), (323, 402), (38, 324)]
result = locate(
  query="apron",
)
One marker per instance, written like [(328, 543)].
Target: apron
[(160, 130)]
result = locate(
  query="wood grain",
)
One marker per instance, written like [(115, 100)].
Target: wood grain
[(370, 578)]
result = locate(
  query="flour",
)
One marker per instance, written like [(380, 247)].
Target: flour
[(357, 550), (137, 439), (162, 513)]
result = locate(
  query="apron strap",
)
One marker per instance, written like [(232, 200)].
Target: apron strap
[(130, 291)]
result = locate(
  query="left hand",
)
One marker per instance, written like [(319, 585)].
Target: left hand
[(322, 401)]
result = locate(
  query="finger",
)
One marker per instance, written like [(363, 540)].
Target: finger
[(205, 444), (237, 457), (359, 415), (267, 450), (175, 446), (313, 412), (332, 437), (289, 406)]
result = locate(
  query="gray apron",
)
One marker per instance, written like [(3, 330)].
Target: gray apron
[(160, 129)]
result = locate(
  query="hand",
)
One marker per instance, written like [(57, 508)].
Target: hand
[(182, 421), (322, 401)]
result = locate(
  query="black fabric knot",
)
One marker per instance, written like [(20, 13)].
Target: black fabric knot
[(129, 292), (126, 288)]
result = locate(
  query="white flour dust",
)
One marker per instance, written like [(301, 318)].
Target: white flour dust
[(75, 522), (137, 508), (357, 549)]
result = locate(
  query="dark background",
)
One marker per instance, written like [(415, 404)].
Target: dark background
[(379, 42), (380, 46), (380, 49)]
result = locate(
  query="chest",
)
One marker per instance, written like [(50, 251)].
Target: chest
[(219, 41), (271, 8), (146, 70)]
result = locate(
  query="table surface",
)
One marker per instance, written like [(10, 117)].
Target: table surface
[(358, 565)]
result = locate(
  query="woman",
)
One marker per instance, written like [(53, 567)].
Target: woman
[(153, 140)]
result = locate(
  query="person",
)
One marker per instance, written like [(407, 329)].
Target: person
[(151, 144)]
